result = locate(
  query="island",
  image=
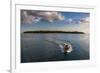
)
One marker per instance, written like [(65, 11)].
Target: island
[(51, 31)]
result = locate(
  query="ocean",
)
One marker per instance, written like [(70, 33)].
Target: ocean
[(42, 47)]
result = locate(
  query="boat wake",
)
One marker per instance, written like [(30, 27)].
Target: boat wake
[(61, 44)]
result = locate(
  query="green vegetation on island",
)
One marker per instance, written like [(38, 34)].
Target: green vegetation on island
[(49, 31)]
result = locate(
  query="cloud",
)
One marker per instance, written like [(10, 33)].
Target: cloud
[(29, 16), (50, 16), (70, 21), (84, 20), (28, 19)]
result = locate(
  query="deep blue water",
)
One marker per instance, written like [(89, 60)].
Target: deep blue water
[(37, 47)]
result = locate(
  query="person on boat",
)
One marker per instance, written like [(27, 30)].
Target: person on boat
[(66, 48)]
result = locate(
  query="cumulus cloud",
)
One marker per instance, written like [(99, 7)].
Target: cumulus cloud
[(84, 20), (26, 18), (50, 16), (30, 16), (70, 21)]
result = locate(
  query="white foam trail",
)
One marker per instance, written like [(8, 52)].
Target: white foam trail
[(62, 48)]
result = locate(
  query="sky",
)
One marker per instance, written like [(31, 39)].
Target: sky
[(52, 20)]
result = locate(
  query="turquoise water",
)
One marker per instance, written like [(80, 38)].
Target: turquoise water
[(38, 47)]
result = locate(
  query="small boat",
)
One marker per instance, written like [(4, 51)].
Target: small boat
[(66, 47)]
